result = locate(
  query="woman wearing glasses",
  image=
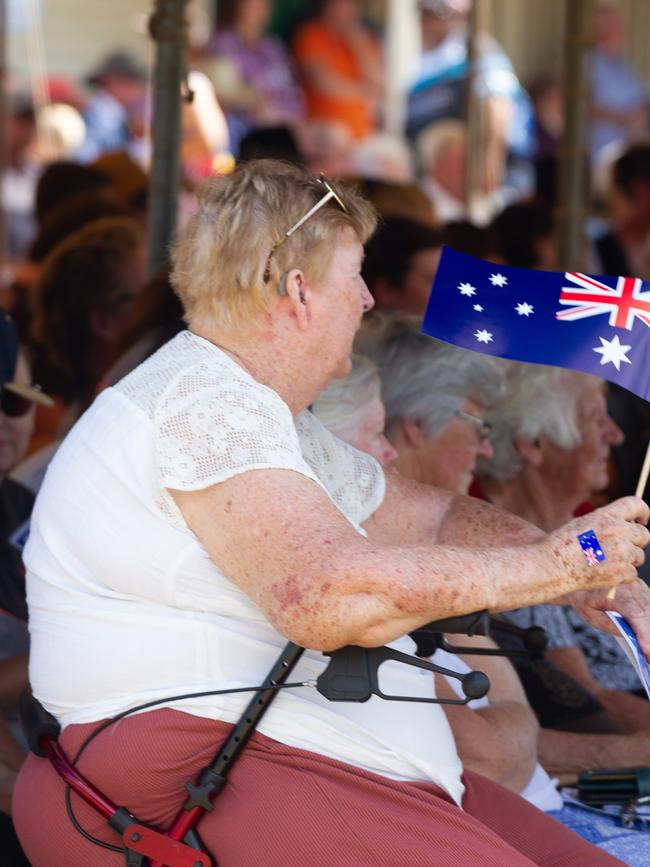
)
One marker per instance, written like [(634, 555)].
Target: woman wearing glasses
[(198, 516), (552, 441), (435, 397)]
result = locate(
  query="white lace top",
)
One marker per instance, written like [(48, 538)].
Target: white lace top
[(125, 604)]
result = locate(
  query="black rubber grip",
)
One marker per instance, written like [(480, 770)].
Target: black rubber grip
[(36, 722)]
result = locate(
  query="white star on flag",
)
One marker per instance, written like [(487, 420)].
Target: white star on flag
[(467, 289), (483, 336), (498, 279), (478, 308), (613, 352), (524, 308)]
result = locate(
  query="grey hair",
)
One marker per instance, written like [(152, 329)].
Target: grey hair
[(341, 407), (423, 379), (538, 401)]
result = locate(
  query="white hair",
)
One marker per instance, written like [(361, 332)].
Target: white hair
[(342, 406), (423, 379), (538, 401)]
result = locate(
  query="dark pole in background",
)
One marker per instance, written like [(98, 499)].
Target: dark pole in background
[(479, 22), (167, 27), (573, 189), (3, 137)]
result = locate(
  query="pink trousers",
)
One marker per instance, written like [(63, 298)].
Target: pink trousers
[(282, 807)]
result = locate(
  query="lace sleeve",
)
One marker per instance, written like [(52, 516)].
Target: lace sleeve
[(209, 427), (353, 479)]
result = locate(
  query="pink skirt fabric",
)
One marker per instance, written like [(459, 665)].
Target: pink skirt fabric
[(281, 807)]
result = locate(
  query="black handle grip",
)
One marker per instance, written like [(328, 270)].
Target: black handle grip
[(36, 722), (428, 638), (476, 623)]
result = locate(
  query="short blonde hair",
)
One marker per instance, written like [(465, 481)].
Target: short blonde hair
[(219, 259)]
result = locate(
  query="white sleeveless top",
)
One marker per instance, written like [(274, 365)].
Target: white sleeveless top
[(125, 604)]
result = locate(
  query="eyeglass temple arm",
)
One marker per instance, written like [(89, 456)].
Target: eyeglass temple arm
[(310, 213)]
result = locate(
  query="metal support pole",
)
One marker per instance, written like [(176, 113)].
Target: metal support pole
[(479, 22), (402, 45), (572, 156), (167, 27)]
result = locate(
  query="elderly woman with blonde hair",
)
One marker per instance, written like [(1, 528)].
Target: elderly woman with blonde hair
[(198, 516)]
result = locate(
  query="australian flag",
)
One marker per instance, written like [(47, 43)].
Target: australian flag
[(600, 325)]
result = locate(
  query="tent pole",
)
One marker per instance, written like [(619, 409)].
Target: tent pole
[(167, 26), (572, 156), (475, 122)]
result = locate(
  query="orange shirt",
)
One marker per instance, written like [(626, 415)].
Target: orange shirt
[(316, 41)]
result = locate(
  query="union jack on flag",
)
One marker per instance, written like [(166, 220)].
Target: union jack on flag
[(623, 303)]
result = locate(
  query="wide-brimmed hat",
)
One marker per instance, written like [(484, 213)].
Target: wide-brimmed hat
[(8, 359), (118, 63)]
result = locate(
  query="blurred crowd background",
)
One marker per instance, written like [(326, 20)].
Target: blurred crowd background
[(417, 102), (449, 117)]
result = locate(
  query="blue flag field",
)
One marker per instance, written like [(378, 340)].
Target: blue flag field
[(600, 325)]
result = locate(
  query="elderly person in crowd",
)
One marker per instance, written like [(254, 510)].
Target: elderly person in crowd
[(198, 516), (17, 403), (552, 438), (435, 397), (498, 737)]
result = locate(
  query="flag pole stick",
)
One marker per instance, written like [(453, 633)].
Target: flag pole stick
[(640, 489), (643, 478)]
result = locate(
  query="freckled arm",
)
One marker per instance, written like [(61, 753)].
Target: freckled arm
[(426, 514), (277, 536)]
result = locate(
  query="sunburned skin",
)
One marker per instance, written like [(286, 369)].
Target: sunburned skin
[(381, 591)]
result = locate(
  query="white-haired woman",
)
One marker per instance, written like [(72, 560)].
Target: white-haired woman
[(436, 396), (551, 438), (198, 516)]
